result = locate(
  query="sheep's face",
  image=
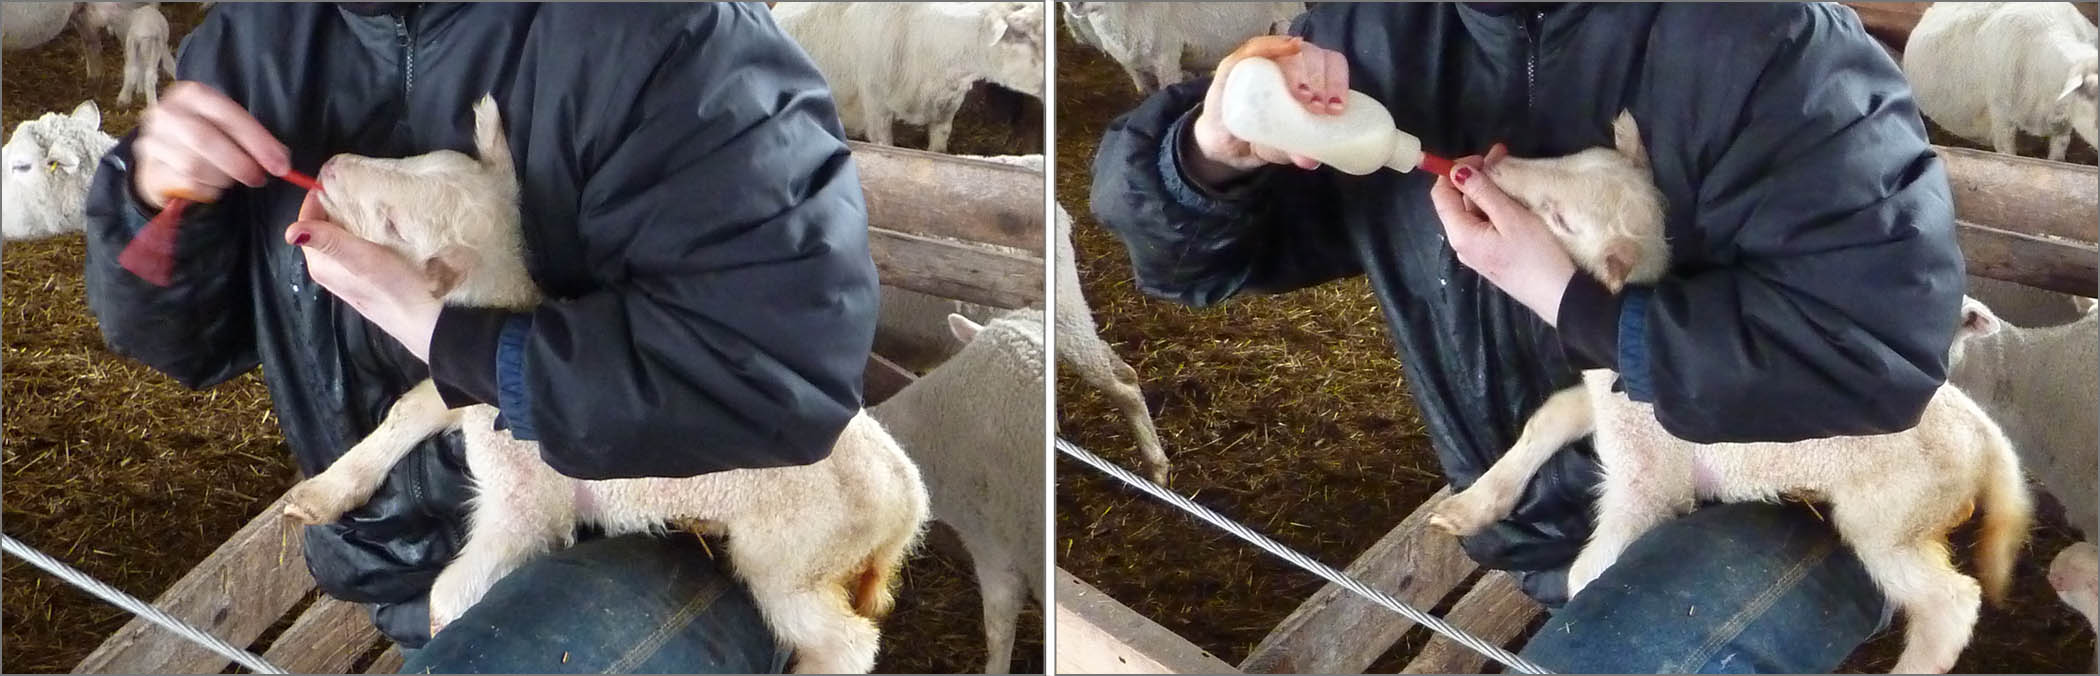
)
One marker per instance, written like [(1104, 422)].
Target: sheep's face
[(1015, 30), (2080, 99), (431, 207), (50, 164), (1601, 203)]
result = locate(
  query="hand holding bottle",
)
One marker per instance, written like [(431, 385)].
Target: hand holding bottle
[(1318, 78)]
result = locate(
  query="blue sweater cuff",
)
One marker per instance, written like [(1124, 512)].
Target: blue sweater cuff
[(512, 394), (1634, 367)]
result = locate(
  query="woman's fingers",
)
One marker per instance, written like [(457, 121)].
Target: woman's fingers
[(1337, 80), (208, 104), (1308, 76), (203, 143)]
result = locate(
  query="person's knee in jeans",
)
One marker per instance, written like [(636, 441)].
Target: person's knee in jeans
[(1733, 588), (628, 604)]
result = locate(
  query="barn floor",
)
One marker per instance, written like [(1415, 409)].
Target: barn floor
[(1289, 414), (124, 474)]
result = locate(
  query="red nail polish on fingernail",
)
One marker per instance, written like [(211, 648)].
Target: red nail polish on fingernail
[(1460, 175), (301, 239), (1334, 101)]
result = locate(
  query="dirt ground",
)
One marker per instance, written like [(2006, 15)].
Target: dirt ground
[(118, 470), (1289, 415)]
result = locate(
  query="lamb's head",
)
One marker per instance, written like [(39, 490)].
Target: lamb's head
[(1014, 31), (1014, 338), (456, 215), (2079, 101), (1601, 203), (50, 163)]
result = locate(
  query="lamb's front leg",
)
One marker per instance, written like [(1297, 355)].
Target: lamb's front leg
[(1641, 488), (876, 118), (2059, 145), (1565, 417), (522, 508), (419, 414)]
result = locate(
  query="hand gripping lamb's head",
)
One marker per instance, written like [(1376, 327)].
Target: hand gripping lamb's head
[(1601, 203), (455, 214)]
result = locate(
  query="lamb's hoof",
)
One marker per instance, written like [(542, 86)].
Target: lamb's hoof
[(1158, 474), (1463, 514), (317, 501)]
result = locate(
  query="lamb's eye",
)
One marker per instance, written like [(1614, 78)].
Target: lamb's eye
[(51, 165), (22, 168)]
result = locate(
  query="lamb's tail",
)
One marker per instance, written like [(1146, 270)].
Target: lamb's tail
[(2008, 511)]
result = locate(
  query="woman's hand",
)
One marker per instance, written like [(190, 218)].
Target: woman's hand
[(389, 290), (1500, 239), (1318, 77), (195, 143)]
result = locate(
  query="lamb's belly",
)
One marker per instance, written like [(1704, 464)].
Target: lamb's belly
[(638, 505), (1761, 472)]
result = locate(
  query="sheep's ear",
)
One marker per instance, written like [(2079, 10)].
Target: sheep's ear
[(2072, 86), (1977, 320), (964, 329), (1013, 27), (1626, 136), (89, 113), (488, 133), (447, 269)]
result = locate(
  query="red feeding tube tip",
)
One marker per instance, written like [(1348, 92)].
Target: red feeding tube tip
[(301, 180), (1436, 165)]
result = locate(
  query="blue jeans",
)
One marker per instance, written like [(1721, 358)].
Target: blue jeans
[(631, 604), (1726, 589)]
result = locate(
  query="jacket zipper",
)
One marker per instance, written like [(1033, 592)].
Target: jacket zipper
[(1531, 61), (408, 55)]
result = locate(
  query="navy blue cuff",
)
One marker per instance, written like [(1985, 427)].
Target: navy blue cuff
[(1186, 189), (1633, 368), (463, 354), (1589, 324), (512, 395)]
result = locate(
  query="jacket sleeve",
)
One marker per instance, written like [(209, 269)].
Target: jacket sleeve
[(199, 330), (739, 300), (1275, 230), (1836, 312)]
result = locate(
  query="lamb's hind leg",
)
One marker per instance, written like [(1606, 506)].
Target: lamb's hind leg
[(1565, 417), (419, 414), (1001, 587), (1939, 605), (816, 621), (1642, 487), (522, 508)]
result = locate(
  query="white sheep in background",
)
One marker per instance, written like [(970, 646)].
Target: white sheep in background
[(50, 164), (146, 55), (1158, 43), (818, 545), (915, 62), (1893, 496), (2023, 305), (1988, 70), (2038, 383), (27, 25), (1079, 343), (974, 425), (1077, 24)]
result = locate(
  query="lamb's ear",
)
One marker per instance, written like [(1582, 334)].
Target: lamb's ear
[(1626, 136), (89, 113), (964, 329), (1977, 320), (489, 143), (1015, 27), (447, 269)]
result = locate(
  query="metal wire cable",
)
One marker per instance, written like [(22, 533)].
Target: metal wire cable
[(137, 607), (1433, 622)]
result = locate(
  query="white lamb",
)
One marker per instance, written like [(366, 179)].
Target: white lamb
[(1079, 343), (1987, 70), (146, 55), (975, 426), (916, 61), (1158, 43), (1894, 496), (51, 163), (2023, 305), (2039, 384), (818, 545)]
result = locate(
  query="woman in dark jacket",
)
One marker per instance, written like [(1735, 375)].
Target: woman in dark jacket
[(689, 207), (1815, 288)]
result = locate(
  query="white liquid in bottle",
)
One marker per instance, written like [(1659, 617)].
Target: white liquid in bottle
[(1259, 108)]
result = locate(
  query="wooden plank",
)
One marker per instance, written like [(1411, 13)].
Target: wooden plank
[(933, 194), (326, 639), (2024, 194), (241, 589), (1337, 632), (2041, 262), (389, 662), (1098, 635), (1494, 610), (883, 379), (958, 270)]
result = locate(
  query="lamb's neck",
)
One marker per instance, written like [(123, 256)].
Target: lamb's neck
[(502, 285)]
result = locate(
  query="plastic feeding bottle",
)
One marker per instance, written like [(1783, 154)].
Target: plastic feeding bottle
[(1259, 108)]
